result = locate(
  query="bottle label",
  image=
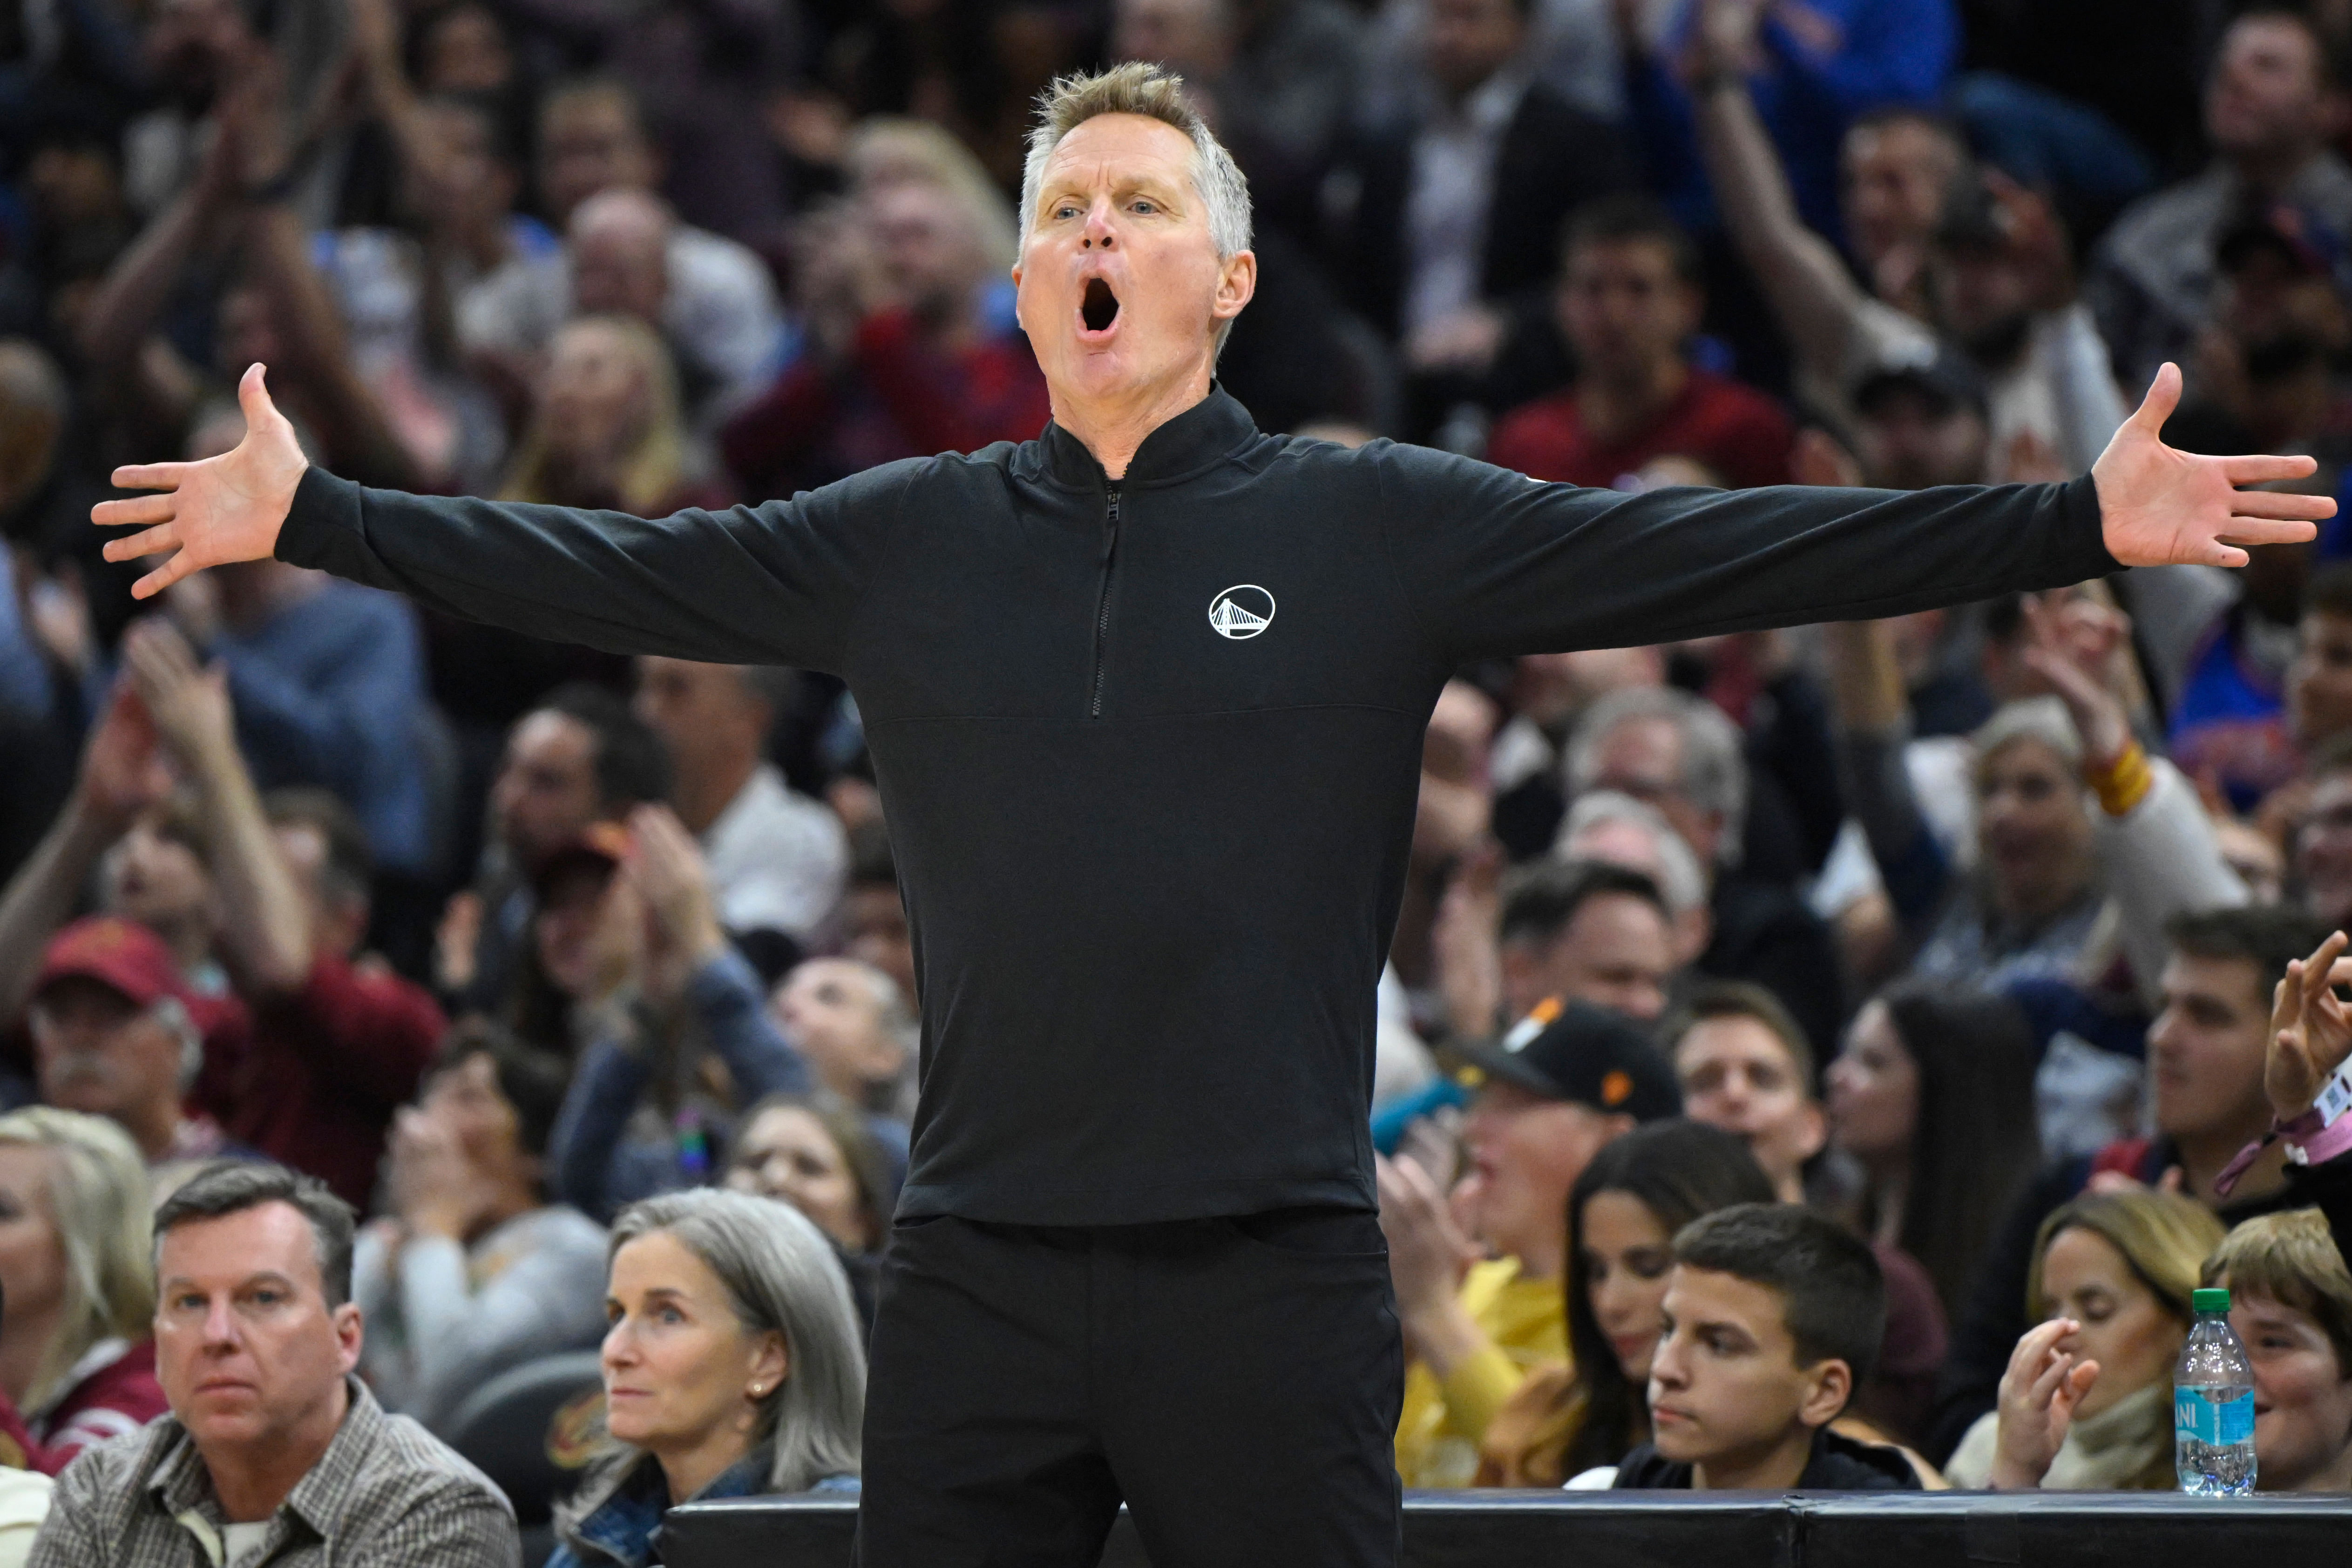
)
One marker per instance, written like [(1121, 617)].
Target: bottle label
[(2219, 1423)]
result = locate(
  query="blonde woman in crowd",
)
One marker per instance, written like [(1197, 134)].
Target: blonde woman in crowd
[(76, 1286), (732, 1368), (608, 429), (2086, 1404)]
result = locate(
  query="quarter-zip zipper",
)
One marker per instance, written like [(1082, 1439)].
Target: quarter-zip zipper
[(1102, 606)]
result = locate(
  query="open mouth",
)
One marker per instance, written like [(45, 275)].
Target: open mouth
[(1100, 307)]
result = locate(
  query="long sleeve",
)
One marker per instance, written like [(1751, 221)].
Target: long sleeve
[(1493, 564), (548, 1300), (348, 719), (776, 583), (1892, 51), (725, 995), (587, 1133), (2090, 407), (2162, 859)]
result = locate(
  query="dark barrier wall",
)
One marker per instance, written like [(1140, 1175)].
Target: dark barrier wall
[(1661, 1530)]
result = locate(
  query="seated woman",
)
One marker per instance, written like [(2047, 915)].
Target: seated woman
[(680, 1048), (474, 1270), (732, 1368), (2291, 1302), (78, 1285), (820, 1157), (2086, 1404), (1932, 1096), (1623, 1213)]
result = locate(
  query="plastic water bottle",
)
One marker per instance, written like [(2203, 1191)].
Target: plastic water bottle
[(2213, 1405)]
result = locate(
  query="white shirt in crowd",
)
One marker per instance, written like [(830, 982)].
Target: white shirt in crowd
[(778, 860)]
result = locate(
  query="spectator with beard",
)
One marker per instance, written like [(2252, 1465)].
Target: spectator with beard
[(578, 759), (1622, 1217), (2085, 1404), (899, 353), (1992, 263), (2274, 104), (1562, 1085), (1628, 300), (2206, 1101), (1679, 754), (472, 1269), (777, 858)]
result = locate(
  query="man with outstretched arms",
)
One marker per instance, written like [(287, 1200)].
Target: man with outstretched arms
[(1145, 697)]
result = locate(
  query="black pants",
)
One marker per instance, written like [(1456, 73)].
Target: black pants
[(1235, 1382)]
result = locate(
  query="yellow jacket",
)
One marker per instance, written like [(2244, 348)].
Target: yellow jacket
[(1444, 1420)]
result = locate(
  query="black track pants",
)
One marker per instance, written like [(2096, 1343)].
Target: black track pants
[(1235, 1380)]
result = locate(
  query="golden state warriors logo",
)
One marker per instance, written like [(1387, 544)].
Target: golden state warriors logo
[(1241, 611)]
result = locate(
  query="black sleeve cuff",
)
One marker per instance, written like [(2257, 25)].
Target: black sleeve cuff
[(2085, 531), (325, 509)]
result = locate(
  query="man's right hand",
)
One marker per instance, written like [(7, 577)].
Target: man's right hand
[(224, 508), (2311, 1029)]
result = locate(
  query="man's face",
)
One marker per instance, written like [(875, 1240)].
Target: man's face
[(1984, 297), (466, 185), (97, 1051), (705, 713), (2319, 683), (1725, 1386), (246, 1348), (926, 246), (590, 142), (2323, 848), (1643, 758), (1736, 1075), (1616, 951), (620, 262), (1912, 441), (2266, 94), (830, 1010), (2302, 1391), (873, 923), (2205, 1049), (1527, 1150), (545, 794), (465, 50), (152, 877), (338, 922), (1897, 174), (1624, 310), (1469, 40), (1120, 290)]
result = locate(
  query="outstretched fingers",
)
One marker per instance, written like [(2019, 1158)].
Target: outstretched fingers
[(134, 509), (163, 536), (150, 476), (164, 576), (2283, 505), (2265, 470)]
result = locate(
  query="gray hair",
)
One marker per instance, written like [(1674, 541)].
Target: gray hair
[(782, 1277), (232, 1187), (1141, 87), (1680, 877), (98, 1207), (1715, 765)]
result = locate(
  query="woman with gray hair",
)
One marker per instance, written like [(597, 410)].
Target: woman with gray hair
[(732, 1368), (76, 1358)]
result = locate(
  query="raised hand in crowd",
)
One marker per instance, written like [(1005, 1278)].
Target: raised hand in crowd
[(1464, 953), (1429, 1254), (2072, 642), (122, 768), (682, 933), (2038, 1393), (433, 1187), (2311, 1029)]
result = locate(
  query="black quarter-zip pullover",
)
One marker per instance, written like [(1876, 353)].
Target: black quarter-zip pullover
[(1150, 750)]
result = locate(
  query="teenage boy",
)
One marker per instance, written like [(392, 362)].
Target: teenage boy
[(1772, 1315)]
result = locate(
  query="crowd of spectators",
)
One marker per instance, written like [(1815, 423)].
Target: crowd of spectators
[(1816, 1056)]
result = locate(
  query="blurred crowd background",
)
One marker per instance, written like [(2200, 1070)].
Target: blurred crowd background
[(1956, 918)]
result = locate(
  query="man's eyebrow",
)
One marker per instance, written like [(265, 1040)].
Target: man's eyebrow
[(265, 1276)]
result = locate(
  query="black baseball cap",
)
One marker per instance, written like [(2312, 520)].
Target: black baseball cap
[(1576, 1051), (1943, 375)]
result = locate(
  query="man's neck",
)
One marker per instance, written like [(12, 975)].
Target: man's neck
[(1540, 1257), (1616, 408), (2271, 170), (2203, 1154), (1772, 1470), (704, 797), (251, 1481), (1115, 427)]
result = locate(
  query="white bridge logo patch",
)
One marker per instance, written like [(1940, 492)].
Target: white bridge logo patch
[(1241, 612)]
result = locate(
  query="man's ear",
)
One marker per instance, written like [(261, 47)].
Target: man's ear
[(350, 1335), (1829, 1383), (1817, 1128), (1236, 285)]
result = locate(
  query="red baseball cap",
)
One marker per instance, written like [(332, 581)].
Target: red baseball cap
[(116, 952)]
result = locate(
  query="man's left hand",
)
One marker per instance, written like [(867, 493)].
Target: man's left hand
[(2161, 507)]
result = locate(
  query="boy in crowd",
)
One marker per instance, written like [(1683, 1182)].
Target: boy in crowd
[(1773, 1315)]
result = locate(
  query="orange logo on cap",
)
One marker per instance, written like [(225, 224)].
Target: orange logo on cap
[(1616, 1087)]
